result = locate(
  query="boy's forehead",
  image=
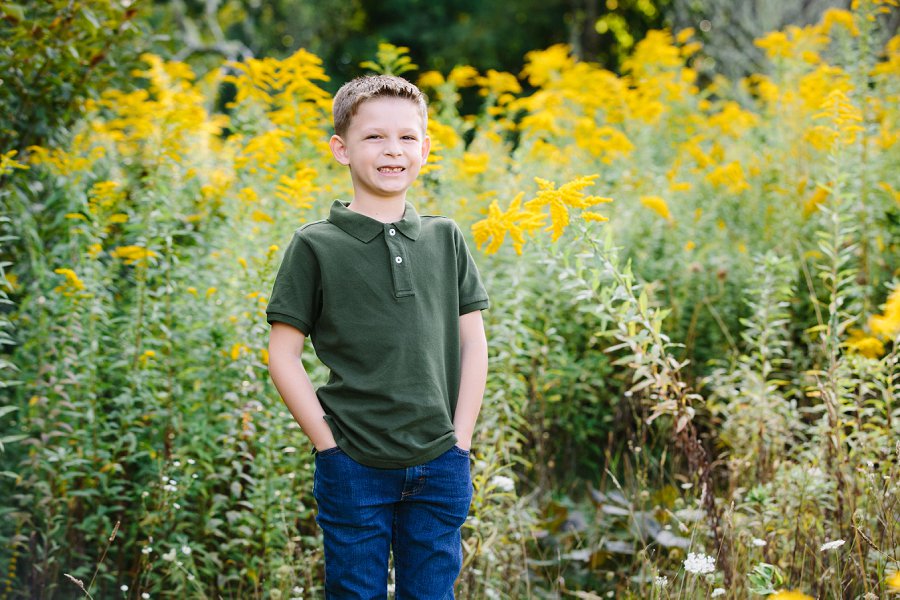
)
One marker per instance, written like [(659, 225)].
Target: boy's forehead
[(381, 106)]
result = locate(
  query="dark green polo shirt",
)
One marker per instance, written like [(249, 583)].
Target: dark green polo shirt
[(381, 303)]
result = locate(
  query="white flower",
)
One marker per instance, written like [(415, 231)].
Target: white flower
[(191, 577), (661, 582), (146, 550), (186, 550), (831, 545), (124, 588), (758, 542), (191, 461), (145, 595), (504, 483), (177, 463), (144, 494), (170, 555), (699, 563), (717, 592)]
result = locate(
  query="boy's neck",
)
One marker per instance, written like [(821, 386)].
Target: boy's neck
[(385, 211)]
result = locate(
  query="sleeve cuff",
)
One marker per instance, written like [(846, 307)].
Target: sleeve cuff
[(473, 306), (294, 322)]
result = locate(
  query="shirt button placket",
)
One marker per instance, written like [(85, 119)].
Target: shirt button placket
[(399, 269)]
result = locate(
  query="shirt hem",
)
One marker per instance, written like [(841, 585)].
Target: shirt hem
[(387, 464)]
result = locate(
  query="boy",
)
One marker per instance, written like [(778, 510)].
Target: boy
[(392, 303)]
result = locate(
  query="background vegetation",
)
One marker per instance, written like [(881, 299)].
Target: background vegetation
[(694, 398)]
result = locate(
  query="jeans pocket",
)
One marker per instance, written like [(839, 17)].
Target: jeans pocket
[(329, 452), (461, 452)]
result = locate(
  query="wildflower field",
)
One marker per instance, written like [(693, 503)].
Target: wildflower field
[(695, 314)]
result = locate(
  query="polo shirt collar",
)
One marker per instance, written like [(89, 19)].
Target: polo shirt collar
[(366, 229)]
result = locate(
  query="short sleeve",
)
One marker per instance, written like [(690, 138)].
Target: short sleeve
[(472, 295), (296, 297)]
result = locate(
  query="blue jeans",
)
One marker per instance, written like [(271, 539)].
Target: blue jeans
[(365, 512)]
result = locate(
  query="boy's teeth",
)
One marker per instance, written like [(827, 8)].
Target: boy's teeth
[(390, 169)]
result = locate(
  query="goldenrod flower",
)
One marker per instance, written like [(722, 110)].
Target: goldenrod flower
[(499, 83), (516, 221), (542, 66), (836, 16), (8, 165), (133, 254), (790, 595), (431, 79), (297, 190), (261, 217), (893, 581), (474, 163), (812, 203), (659, 206), (729, 176), (72, 285), (559, 200), (463, 76)]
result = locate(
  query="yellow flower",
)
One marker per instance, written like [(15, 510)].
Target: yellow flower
[(248, 195), (516, 221), (474, 163), (236, 350), (261, 217), (866, 345), (264, 356), (836, 16), (431, 79), (94, 250), (893, 581), (297, 190), (132, 254), (544, 66), (887, 324), (192, 291), (730, 177), (499, 83), (559, 200), (690, 245), (463, 76), (210, 291), (658, 205), (7, 164), (72, 285), (812, 203), (776, 45), (242, 261), (790, 595)]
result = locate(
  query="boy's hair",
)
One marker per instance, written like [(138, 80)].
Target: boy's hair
[(359, 90)]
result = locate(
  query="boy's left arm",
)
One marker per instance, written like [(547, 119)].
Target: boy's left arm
[(473, 375)]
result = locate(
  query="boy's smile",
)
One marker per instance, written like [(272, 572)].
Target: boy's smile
[(385, 146)]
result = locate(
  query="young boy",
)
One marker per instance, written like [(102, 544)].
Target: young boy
[(392, 303)]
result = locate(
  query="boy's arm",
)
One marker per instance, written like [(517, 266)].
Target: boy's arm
[(474, 365), (292, 382)]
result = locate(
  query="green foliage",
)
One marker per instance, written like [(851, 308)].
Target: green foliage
[(57, 53)]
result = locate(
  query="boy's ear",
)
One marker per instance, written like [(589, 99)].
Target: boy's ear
[(426, 148), (339, 149)]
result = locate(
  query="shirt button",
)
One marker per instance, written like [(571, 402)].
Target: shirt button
[(392, 231), (398, 260)]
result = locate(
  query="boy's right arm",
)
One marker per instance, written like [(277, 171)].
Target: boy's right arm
[(292, 382)]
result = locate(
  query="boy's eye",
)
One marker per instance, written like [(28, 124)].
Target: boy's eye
[(409, 137)]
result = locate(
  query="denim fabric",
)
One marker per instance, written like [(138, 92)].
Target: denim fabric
[(417, 512)]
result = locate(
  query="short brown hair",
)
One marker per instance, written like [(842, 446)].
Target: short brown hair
[(359, 90)]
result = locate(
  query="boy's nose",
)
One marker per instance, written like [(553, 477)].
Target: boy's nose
[(393, 148)]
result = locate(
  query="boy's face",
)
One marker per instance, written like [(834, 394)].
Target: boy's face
[(384, 146)]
